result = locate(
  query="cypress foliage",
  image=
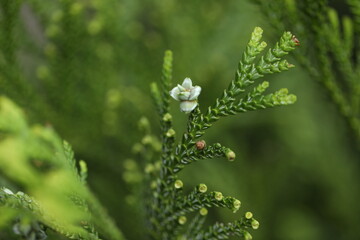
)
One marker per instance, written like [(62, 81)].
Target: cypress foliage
[(170, 205), (330, 51)]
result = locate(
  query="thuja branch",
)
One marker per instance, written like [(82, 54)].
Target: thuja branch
[(68, 208), (170, 205), (27, 204), (245, 76), (331, 54)]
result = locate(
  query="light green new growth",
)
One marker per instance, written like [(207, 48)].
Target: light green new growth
[(170, 205), (44, 167)]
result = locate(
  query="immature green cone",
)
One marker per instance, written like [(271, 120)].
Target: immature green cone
[(167, 117), (203, 212), (236, 205), (230, 155), (178, 184), (170, 133), (247, 236), (182, 220), (218, 196), (255, 224), (202, 188), (248, 215)]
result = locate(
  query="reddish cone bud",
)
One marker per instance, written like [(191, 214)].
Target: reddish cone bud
[(200, 145), (296, 41)]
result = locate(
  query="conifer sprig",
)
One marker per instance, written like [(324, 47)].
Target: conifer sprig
[(38, 161), (224, 231), (331, 49), (245, 76), (193, 154), (170, 206), (29, 205)]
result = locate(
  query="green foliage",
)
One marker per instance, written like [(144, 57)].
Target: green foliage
[(330, 51), (41, 165), (77, 53), (227, 104), (84, 67), (35, 159), (169, 205)]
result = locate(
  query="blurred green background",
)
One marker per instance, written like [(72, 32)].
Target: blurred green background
[(85, 67)]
